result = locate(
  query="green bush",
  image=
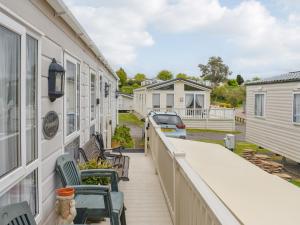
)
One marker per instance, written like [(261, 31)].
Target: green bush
[(233, 95), (93, 164), (122, 135)]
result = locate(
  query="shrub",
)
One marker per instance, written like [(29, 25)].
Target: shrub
[(122, 135), (93, 164)]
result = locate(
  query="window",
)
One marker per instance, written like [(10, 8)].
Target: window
[(189, 101), (25, 190), (70, 97), (78, 96), (191, 88), (170, 100), (259, 106), (296, 108), (164, 88), (31, 98), (10, 61), (19, 68), (93, 96), (194, 101), (156, 101)]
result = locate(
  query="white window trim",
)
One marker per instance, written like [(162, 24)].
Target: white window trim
[(294, 93), (69, 138), (170, 93), (20, 173), (156, 93), (264, 109)]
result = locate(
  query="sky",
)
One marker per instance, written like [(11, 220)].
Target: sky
[(254, 38)]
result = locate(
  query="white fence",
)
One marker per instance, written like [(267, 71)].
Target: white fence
[(189, 198), (200, 114)]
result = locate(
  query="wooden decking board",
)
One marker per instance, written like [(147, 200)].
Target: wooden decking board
[(144, 198)]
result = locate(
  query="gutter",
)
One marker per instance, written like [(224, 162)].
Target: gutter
[(62, 11)]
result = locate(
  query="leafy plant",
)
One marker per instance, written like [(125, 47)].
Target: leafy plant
[(93, 164), (122, 135)]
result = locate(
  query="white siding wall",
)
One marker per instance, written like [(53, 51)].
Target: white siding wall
[(125, 103), (276, 130), (58, 39)]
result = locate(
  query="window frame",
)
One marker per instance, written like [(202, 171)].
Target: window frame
[(264, 105), (167, 107), (12, 22), (293, 105), (92, 122), (195, 93), (68, 138), (153, 101)]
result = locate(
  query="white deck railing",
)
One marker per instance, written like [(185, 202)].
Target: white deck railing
[(200, 114), (189, 198)]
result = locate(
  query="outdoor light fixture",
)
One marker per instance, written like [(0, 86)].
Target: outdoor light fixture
[(55, 81), (106, 89)]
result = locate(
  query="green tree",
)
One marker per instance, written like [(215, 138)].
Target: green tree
[(182, 75), (232, 83), (215, 70), (239, 79), (127, 89), (164, 75), (122, 76), (139, 77)]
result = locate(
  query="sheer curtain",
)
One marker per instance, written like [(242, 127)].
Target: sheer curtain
[(10, 43), (297, 108), (199, 101), (189, 101), (31, 76)]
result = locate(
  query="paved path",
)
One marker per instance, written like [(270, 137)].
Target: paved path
[(218, 136)]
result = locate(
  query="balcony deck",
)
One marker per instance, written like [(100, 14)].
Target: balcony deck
[(144, 199)]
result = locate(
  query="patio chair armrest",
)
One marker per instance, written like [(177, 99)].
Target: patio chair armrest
[(90, 189), (110, 173)]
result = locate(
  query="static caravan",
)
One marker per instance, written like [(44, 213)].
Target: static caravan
[(45, 112), (273, 114), (125, 102)]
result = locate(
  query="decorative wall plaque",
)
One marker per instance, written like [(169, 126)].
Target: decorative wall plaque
[(50, 125)]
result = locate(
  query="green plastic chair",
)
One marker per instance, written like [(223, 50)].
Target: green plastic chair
[(99, 200), (18, 213)]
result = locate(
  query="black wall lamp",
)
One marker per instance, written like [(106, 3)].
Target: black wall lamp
[(55, 80), (106, 89)]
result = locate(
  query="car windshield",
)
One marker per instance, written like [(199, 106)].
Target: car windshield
[(167, 119)]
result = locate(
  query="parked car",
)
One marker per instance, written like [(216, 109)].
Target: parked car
[(170, 123)]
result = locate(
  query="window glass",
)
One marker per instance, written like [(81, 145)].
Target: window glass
[(259, 104), (78, 96), (72, 148), (71, 97), (296, 110), (156, 100), (170, 100), (31, 76), (25, 190), (199, 101), (190, 88), (189, 101), (169, 87), (167, 119), (10, 43), (92, 130), (93, 97)]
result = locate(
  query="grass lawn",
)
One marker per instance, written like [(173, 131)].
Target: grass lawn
[(296, 182), (240, 146), (130, 118), (193, 130)]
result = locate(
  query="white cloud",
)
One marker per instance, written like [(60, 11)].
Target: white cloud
[(258, 40)]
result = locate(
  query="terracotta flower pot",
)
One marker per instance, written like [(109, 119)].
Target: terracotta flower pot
[(65, 192)]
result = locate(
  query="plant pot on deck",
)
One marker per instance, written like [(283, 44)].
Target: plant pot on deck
[(115, 144)]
